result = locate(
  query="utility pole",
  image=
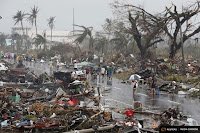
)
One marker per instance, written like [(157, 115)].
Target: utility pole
[(73, 21)]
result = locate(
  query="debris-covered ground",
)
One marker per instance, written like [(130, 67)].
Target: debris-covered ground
[(67, 102)]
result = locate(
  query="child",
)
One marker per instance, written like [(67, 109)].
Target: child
[(173, 87)]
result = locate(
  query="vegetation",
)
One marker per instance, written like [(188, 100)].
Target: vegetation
[(18, 18), (40, 40), (2, 40), (33, 16), (86, 32), (51, 21), (180, 21), (133, 31), (65, 50)]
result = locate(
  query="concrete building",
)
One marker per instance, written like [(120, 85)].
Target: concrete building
[(57, 36)]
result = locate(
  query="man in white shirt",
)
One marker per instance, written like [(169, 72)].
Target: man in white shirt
[(75, 66), (103, 72), (134, 85)]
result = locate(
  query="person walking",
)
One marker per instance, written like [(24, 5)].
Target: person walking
[(134, 84), (150, 82), (99, 72), (173, 87), (15, 56), (51, 66), (57, 65), (87, 72), (99, 69), (103, 72), (92, 72), (75, 66), (109, 72)]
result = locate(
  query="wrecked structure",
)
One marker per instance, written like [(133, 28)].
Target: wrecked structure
[(59, 103)]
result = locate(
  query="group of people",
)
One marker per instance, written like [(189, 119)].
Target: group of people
[(7, 55), (101, 71), (106, 70), (154, 89)]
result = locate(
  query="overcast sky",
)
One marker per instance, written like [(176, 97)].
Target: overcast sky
[(87, 12)]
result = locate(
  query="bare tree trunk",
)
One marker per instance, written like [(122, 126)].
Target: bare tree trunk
[(22, 28), (172, 51), (23, 36), (35, 26), (91, 47)]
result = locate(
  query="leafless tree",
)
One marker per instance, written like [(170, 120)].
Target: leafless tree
[(180, 20), (145, 27)]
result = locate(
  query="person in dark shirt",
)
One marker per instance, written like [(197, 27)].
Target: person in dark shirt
[(109, 72), (99, 70), (92, 71)]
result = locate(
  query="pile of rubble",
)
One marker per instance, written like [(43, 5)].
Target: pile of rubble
[(48, 103), (59, 103)]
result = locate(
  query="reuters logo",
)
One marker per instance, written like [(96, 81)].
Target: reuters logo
[(163, 129)]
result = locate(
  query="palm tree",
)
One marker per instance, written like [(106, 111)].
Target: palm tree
[(40, 40), (51, 21), (108, 28), (100, 42), (18, 38), (85, 32), (33, 16), (18, 18)]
